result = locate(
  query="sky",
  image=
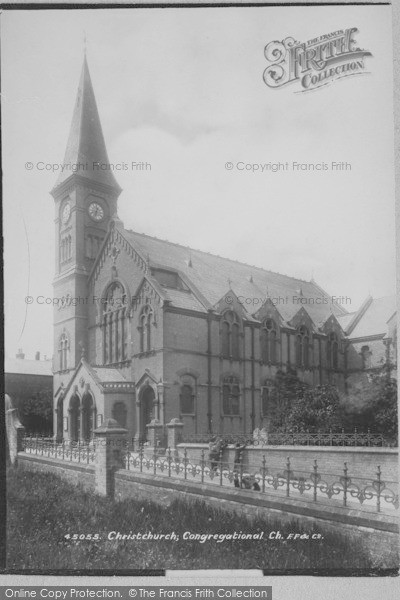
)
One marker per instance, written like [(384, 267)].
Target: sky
[(182, 90)]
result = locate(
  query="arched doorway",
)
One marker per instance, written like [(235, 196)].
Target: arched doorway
[(75, 418), (119, 413), (146, 410), (60, 419), (87, 417)]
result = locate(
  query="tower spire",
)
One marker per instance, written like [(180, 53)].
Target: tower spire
[(86, 153)]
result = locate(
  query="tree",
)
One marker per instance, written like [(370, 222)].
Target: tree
[(295, 406), (374, 405), (37, 412), (316, 410)]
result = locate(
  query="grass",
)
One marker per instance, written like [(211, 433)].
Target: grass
[(42, 509)]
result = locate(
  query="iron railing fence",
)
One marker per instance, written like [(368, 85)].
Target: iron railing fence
[(81, 452), (331, 438), (373, 493)]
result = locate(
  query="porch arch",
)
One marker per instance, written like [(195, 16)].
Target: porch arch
[(74, 417), (147, 400), (88, 416), (60, 419)]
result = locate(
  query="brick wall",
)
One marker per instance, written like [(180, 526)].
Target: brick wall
[(75, 474), (361, 462), (377, 531)]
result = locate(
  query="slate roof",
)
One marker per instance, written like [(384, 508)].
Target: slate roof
[(213, 276), (24, 366), (86, 141), (106, 375)]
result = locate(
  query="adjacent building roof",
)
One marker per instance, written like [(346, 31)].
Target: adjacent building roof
[(371, 319), (23, 366)]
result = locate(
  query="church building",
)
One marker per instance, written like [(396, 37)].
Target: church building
[(149, 329)]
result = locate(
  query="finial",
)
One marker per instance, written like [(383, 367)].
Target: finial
[(84, 43), (229, 281)]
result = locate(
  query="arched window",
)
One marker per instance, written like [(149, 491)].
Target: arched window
[(187, 400), (332, 351), (366, 356), (145, 327), (230, 336), (231, 396), (303, 348), (115, 325), (268, 342), (63, 348)]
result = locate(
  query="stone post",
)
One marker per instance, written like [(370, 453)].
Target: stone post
[(155, 435), (110, 441), (15, 431), (175, 431)]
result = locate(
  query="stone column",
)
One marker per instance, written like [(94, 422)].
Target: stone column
[(175, 431), (161, 410), (14, 429), (110, 440), (137, 424), (155, 435)]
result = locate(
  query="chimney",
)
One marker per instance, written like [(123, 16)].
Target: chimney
[(37, 355), (20, 354)]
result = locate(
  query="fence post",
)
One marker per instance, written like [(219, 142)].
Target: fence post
[(169, 459), (263, 472), (288, 476), (110, 452), (345, 484), (141, 450), (155, 459), (202, 465), (220, 467), (185, 461), (155, 432), (378, 496), (315, 473), (175, 431)]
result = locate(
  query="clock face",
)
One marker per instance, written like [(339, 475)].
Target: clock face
[(66, 213), (96, 211)]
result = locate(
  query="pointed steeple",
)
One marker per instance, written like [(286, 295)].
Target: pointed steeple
[(86, 149)]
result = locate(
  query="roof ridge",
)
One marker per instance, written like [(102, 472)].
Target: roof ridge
[(153, 237)]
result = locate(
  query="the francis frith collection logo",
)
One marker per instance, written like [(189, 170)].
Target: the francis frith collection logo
[(314, 63)]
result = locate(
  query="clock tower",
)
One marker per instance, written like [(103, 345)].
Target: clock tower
[(85, 197)]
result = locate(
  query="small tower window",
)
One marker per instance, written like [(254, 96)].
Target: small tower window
[(63, 348)]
